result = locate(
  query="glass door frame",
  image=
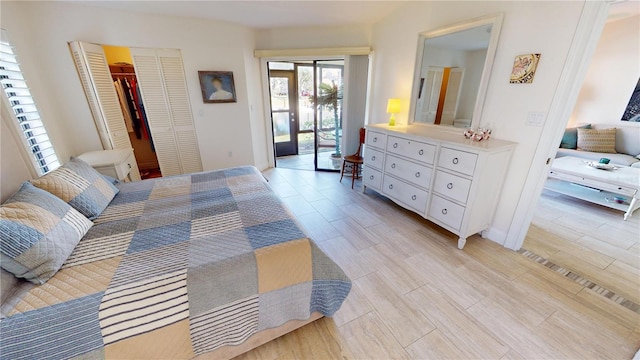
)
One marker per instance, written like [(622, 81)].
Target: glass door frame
[(292, 111), (318, 110)]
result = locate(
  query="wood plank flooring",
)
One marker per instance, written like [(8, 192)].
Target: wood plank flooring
[(416, 296)]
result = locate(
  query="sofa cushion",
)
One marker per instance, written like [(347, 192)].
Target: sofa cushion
[(627, 138), (80, 186), (38, 232), (636, 165), (603, 141), (570, 137), (618, 159)]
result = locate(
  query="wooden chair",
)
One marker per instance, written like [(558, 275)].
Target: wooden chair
[(354, 161)]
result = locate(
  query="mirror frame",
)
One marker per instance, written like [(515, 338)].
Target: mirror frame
[(496, 21)]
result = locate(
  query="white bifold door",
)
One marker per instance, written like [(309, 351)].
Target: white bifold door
[(163, 87)]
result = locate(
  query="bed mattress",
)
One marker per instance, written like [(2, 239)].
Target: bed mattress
[(174, 268)]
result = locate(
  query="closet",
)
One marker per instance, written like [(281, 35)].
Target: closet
[(135, 118), (161, 84)]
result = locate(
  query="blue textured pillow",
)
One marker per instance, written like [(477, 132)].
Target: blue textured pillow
[(80, 186), (38, 232), (570, 137)]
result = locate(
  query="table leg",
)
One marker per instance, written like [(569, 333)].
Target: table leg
[(632, 205)]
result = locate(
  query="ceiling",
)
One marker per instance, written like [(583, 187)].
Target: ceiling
[(264, 14)]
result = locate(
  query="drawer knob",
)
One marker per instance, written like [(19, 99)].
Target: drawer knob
[(393, 166), (390, 186), (373, 158), (444, 211), (371, 177), (455, 160), (414, 197), (375, 139), (395, 145), (421, 152), (418, 174), (450, 186)]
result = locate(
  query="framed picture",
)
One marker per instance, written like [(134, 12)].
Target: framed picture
[(217, 86), (524, 68)]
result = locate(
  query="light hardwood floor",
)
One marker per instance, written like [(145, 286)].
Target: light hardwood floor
[(415, 295)]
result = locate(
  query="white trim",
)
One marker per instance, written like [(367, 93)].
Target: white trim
[(588, 32), (12, 126), (315, 53), (496, 21)]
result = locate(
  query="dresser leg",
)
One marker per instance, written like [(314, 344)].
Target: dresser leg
[(461, 243)]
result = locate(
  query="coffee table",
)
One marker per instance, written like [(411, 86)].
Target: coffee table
[(572, 176)]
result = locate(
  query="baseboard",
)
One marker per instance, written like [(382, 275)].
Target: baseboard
[(262, 166), (495, 235)]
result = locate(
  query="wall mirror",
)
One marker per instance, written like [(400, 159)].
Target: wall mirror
[(453, 66)]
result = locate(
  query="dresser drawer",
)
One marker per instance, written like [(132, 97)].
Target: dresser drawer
[(124, 168), (413, 149), (373, 158), (456, 160), (376, 139), (408, 194), (446, 212), (407, 170), (372, 178), (452, 186)]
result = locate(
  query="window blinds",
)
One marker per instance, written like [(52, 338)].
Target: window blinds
[(24, 109)]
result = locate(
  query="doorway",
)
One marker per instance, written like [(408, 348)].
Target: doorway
[(306, 100), (133, 111)]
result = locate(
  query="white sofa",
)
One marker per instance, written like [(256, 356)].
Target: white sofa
[(627, 146)]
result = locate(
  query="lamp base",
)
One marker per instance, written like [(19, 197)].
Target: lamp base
[(392, 120)]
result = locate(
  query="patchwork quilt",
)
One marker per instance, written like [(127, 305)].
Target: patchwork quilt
[(174, 268)]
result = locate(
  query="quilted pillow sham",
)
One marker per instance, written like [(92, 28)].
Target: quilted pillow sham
[(601, 141), (38, 232), (80, 186)]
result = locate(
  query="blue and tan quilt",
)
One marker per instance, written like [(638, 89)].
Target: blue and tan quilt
[(174, 268)]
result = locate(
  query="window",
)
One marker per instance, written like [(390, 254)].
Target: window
[(24, 109)]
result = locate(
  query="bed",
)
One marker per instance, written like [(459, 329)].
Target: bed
[(205, 265)]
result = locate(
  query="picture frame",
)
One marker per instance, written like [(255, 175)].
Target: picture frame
[(524, 68), (217, 87)]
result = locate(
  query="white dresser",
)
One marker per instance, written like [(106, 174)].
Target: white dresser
[(447, 179)]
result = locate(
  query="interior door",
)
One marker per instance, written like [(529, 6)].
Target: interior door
[(95, 76), (431, 94), (452, 96), (283, 112)]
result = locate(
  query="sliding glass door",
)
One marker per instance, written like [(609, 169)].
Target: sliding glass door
[(306, 113), (329, 80)]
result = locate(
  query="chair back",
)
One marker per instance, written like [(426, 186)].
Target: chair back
[(362, 135)]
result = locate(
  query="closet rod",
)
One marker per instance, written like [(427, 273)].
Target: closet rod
[(123, 73)]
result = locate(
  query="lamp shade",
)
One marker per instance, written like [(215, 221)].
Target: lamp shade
[(393, 106)]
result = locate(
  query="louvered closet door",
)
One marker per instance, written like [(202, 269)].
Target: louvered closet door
[(164, 93), (95, 76)]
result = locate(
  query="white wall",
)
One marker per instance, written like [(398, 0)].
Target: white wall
[(612, 75), (40, 31), (528, 28), (313, 37)]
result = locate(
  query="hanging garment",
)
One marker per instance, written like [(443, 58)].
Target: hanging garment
[(123, 106), (135, 116), (145, 121)]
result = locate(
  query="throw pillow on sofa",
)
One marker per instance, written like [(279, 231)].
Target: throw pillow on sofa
[(602, 141), (570, 137), (80, 186)]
